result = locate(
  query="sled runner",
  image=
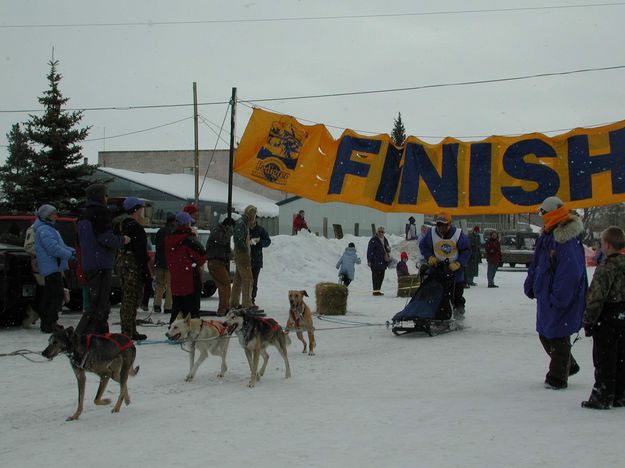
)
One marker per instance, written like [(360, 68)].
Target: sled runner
[(429, 309)]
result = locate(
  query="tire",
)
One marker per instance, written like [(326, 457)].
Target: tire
[(209, 288)]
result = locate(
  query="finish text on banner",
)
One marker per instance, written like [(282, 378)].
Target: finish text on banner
[(584, 167)]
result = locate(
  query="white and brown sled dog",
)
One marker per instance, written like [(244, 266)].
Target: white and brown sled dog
[(111, 356), (300, 318), (208, 336), (255, 334)]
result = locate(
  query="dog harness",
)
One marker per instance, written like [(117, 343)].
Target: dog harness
[(218, 326), (297, 315), (271, 323), (112, 337)]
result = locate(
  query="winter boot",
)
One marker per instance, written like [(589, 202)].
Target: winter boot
[(595, 404), (459, 312)]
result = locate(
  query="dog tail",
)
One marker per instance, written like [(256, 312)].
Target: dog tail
[(133, 371)]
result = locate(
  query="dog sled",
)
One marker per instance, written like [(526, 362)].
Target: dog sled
[(430, 308)]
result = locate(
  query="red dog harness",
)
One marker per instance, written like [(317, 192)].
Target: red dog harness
[(219, 326), (271, 323), (114, 338)]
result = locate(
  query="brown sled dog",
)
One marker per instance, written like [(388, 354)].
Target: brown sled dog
[(300, 318), (109, 356), (255, 334)]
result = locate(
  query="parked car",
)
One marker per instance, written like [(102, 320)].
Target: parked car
[(517, 248), (209, 288), (17, 284)]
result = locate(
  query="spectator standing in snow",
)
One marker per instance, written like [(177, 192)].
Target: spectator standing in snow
[(493, 257), (411, 229), (604, 320), (185, 256), (242, 285), (557, 280), (132, 266), (219, 254), (347, 264), (98, 247), (447, 243), (52, 260), (378, 258), (259, 239), (299, 223), (192, 211), (161, 272), (402, 265), (473, 266)]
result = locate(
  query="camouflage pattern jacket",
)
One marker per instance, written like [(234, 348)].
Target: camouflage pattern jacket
[(606, 294)]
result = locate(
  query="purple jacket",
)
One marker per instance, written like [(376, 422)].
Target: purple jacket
[(376, 251), (98, 244), (557, 279), (464, 251)]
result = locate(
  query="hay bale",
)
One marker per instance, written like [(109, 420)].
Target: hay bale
[(331, 298), (407, 285)]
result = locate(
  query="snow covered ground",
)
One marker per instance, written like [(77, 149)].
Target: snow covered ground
[(367, 399)]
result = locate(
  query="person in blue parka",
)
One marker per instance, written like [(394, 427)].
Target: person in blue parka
[(347, 264), (557, 280), (52, 258)]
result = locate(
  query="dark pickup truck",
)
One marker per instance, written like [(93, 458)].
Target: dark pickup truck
[(517, 248), (17, 284)]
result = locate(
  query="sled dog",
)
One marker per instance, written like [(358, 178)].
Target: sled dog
[(207, 336), (255, 334), (300, 318), (110, 356)]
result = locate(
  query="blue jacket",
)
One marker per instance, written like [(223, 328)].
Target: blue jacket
[(98, 244), (557, 279), (52, 253), (464, 251), (347, 262)]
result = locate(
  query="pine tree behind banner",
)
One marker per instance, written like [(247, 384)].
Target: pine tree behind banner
[(398, 134), (58, 154), (17, 176)]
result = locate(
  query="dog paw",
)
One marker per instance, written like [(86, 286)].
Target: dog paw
[(115, 410), (189, 378), (103, 401), (311, 353), (221, 375), (72, 418), (251, 385)]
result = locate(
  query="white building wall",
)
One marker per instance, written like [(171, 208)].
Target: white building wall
[(344, 214)]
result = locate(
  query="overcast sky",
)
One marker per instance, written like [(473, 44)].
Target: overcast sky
[(149, 63)]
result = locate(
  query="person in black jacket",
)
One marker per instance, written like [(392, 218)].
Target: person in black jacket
[(219, 254), (161, 273), (132, 266), (259, 239)]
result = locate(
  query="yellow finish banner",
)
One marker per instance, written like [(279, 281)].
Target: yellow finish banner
[(584, 167)]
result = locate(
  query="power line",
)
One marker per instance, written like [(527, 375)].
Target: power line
[(438, 85), (309, 18), (302, 119), (349, 93), (139, 131)]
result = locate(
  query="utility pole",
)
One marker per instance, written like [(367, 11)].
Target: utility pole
[(197, 149), (233, 114)]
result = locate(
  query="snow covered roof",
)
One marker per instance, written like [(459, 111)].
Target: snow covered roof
[(183, 186)]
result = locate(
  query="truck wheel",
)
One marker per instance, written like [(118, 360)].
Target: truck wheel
[(209, 288)]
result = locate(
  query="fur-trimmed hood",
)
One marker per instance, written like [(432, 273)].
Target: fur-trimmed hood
[(568, 229)]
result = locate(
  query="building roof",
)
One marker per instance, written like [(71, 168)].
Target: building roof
[(183, 186)]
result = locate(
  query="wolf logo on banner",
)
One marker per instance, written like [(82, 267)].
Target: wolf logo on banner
[(278, 156)]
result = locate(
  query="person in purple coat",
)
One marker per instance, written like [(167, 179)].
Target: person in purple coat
[(447, 244), (378, 258), (557, 280)]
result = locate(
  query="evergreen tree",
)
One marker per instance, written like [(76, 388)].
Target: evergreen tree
[(399, 132), (61, 174), (17, 175)]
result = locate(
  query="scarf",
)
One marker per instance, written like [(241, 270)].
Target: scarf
[(555, 217)]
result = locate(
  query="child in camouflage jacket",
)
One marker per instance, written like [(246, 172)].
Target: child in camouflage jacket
[(604, 320)]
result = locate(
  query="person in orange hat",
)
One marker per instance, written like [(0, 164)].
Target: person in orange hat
[(448, 245), (557, 280), (402, 265)]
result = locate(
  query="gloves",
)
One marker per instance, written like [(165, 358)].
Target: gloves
[(588, 329), (454, 266), (254, 240), (432, 261)]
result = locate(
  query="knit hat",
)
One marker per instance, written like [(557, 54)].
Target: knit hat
[(131, 204), (96, 192), (351, 244), (183, 218), (250, 210), (550, 204), (404, 255), (443, 217), (190, 208), (45, 211)]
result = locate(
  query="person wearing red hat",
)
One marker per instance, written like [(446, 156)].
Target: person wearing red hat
[(402, 265), (448, 245)]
